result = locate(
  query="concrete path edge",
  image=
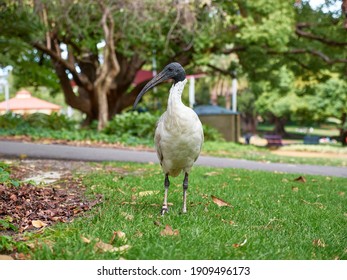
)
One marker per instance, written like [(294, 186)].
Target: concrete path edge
[(66, 152)]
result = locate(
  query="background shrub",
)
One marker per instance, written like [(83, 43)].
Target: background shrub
[(132, 128), (132, 124)]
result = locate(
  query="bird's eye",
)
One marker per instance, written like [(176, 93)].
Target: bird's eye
[(170, 69)]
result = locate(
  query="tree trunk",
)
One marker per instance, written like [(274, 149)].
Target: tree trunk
[(343, 129), (98, 89), (249, 123), (106, 72), (279, 125)]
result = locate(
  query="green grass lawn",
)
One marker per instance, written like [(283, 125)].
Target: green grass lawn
[(323, 130), (251, 152), (272, 217)]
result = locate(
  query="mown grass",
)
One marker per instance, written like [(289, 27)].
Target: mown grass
[(251, 152), (272, 216), (327, 130)]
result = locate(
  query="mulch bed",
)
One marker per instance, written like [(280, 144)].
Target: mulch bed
[(27, 203), (31, 206)]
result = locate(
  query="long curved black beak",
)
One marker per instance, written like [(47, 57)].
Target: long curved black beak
[(161, 77)]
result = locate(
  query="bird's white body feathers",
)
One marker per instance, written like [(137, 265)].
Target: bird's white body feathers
[(178, 135)]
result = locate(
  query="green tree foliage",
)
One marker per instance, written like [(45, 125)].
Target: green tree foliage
[(65, 38), (273, 44), (322, 100)]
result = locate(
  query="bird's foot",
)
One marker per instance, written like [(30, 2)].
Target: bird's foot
[(184, 210), (164, 209)]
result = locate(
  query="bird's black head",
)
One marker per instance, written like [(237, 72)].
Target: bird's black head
[(172, 71), (175, 71)]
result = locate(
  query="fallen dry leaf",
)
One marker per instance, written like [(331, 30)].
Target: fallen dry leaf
[(85, 239), (301, 179), (138, 234), (295, 189), (212, 173), (38, 207), (120, 235), (220, 202), (22, 256), (145, 193), (118, 189), (38, 223), (32, 245), (105, 247), (127, 216), (228, 222), (341, 193), (237, 245), (318, 243), (169, 231), (121, 248)]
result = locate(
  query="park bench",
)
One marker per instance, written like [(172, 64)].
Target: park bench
[(274, 140), (311, 140)]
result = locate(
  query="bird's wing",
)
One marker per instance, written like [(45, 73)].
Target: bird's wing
[(157, 139), (202, 141)]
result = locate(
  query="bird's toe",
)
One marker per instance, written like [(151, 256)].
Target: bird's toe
[(164, 210)]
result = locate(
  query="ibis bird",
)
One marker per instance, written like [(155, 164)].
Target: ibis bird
[(178, 135)]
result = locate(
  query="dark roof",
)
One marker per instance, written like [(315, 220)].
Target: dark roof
[(213, 110)]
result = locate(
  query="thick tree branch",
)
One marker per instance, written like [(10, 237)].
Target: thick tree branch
[(222, 71), (110, 68), (319, 54), (77, 102), (80, 79), (344, 12), (301, 33), (129, 99)]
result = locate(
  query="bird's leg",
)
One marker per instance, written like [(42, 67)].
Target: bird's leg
[(185, 187), (166, 184)]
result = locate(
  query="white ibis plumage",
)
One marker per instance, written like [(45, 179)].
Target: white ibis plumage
[(179, 134)]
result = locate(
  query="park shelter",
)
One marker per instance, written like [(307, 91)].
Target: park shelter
[(24, 103), (226, 121)]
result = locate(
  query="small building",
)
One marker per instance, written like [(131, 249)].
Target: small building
[(24, 103), (226, 121)]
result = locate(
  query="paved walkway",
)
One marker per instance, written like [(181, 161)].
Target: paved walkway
[(64, 152)]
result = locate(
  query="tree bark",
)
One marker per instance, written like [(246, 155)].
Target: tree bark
[(279, 123), (108, 70), (249, 123), (343, 129)]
